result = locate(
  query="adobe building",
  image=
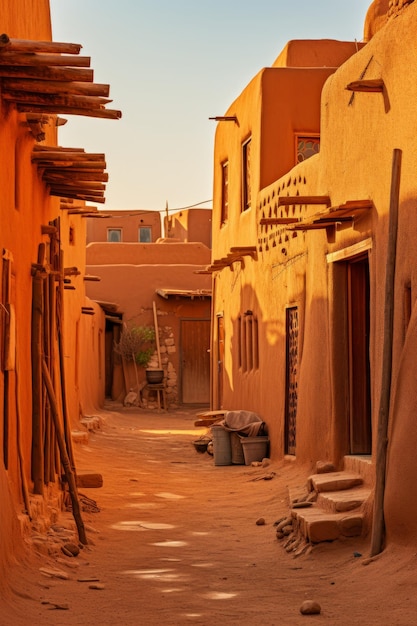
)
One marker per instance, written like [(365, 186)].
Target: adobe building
[(311, 162), (154, 284), (46, 321)]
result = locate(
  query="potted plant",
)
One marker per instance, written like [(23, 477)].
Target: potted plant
[(137, 346)]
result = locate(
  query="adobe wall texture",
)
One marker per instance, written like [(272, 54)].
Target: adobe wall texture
[(359, 132)]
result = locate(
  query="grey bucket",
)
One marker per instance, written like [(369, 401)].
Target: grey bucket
[(254, 448), (222, 450)]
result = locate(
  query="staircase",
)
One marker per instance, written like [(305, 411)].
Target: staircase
[(331, 507)]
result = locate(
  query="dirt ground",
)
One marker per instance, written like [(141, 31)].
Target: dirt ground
[(173, 540)]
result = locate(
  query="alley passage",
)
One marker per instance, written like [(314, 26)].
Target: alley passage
[(174, 541)]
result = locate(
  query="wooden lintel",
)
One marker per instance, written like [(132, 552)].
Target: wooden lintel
[(290, 200), (57, 100), (374, 85)]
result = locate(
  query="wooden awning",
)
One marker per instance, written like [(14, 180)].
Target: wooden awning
[(71, 172), (237, 253), (44, 79), (334, 215), (48, 78), (323, 219)]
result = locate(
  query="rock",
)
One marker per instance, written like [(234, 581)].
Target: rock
[(284, 522), (260, 521), (266, 462), (310, 607), (301, 505), (72, 548), (97, 586), (323, 467)]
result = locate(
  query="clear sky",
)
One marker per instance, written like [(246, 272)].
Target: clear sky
[(172, 64)]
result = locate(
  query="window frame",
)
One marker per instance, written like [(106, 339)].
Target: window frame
[(246, 174)]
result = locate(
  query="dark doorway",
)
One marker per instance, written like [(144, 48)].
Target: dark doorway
[(291, 378), (359, 368)]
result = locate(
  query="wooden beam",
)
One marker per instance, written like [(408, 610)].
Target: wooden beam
[(78, 196), (289, 200), (48, 73), (110, 114), (25, 45), (32, 85), (35, 59), (60, 155), (54, 99), (278, 220), (69, 174), (374, 85)]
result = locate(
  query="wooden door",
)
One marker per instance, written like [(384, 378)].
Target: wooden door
[(359, 370), (291, 378), (195, 361)]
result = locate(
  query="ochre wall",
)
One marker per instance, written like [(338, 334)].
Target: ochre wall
[(359, 133), (128, 221)]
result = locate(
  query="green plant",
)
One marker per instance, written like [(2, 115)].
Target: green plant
[(136, 344)]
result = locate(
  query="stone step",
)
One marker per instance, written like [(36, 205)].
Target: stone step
[(344, 500), (333, 481), (362, 465), (317, 526)]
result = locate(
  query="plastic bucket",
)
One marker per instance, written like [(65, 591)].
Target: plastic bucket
[(222, 450), (254, 448), (238, 458)]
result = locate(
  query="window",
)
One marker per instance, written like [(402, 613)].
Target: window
[(307, 146), (145, 234), (225, 193), (246, 177), (248, 345), (114, 234)]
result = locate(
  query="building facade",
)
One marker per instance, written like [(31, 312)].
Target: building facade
[(311, 163)]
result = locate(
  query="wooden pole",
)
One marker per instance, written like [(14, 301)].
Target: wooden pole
[(72, 485), (158, 349), (25, 491), (378, 527), (37, 425)]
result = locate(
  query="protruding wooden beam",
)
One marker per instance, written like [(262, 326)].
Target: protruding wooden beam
[(290, 200), (278, 220), (373, 85), (24, 45)]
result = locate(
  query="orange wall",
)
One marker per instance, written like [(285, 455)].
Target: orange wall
[(128, 221)]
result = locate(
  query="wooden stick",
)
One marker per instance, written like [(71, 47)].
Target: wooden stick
[(60, 155), (25, 490), (378, 527), (158, 349), (37, 427), (72, 485)]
